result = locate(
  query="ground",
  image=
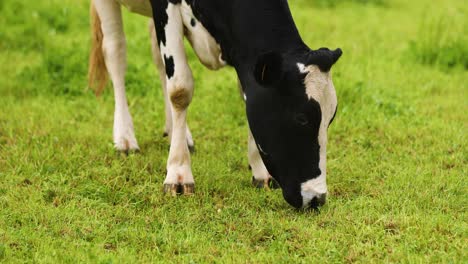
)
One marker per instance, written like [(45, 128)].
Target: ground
[(397, 150)]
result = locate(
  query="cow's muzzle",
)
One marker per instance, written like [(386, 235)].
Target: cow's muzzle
[(317, 201)]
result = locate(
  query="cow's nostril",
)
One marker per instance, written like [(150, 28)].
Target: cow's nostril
[(318, 201)]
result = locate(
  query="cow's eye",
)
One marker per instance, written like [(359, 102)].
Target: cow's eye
[(301, 119)]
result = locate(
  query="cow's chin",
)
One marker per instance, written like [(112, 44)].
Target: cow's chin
[(301, 191), (303, 186), (314, 192), (308, 195)]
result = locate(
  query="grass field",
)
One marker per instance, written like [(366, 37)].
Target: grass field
[(397, 150)]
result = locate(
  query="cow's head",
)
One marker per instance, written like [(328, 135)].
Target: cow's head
[(289, 113)]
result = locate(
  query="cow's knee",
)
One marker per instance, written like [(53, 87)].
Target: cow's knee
[(180, 89), (180, 97), (113, 45)]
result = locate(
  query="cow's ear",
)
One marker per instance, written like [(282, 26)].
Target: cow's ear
[(324, 58), (269, 68)]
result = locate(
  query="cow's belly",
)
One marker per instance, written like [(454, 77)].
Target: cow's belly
[(203, 43), (142, 7)]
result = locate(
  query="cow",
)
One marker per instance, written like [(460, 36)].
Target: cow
[(287, 87)]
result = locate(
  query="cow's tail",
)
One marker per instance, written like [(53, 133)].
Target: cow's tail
[(97, 71)]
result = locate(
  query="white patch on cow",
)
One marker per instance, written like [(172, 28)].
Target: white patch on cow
[(302, 68), (245, 97), (319, 87), (203, 43)]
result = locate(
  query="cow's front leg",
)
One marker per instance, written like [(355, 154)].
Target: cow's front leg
[(179, 85), (179, 178), (158, 61)]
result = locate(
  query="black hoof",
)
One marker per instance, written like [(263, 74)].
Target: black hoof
[(176, 189)]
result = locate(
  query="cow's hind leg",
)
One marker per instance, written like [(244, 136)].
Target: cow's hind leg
[(114, 49), (162, 75), (179, 82)]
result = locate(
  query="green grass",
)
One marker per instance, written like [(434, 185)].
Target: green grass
[(397, 150), (443, 39)]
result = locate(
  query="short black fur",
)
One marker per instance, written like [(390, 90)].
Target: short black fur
[(169, 64)]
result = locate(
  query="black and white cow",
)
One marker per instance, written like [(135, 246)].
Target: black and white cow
[(287, 87)]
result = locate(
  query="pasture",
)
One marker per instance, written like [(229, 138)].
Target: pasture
[(397, 151)]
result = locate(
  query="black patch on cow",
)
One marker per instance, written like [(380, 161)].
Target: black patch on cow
[(169, 63), (160, 19), (193, 23)]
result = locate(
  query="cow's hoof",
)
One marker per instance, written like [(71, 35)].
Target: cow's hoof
[(127, 151), (126, 146), (269, 183), (172, 189), (188, 189), (175, 189)]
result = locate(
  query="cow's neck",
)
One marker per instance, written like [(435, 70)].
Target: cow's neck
[(269, 28), (245, 28)]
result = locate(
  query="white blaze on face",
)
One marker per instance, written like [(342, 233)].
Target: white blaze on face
[(319, 87)]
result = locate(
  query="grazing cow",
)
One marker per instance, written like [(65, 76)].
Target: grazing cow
[(287, 87)]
